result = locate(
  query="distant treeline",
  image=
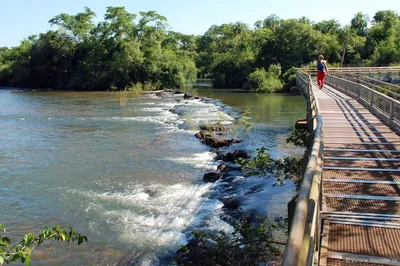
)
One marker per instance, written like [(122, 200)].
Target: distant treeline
[(127, 49)]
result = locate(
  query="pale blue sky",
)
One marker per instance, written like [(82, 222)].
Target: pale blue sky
[(21, 18)]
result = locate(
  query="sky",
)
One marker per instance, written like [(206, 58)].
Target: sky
[(21, 18)]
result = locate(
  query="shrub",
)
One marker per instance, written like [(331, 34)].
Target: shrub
[(265, 81), (289, 78)]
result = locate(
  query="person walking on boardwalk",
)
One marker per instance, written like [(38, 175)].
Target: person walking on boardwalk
[(322, 71)]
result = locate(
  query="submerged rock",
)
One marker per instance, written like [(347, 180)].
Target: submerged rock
[(223, 168), (230, 178), (233, 155), (187, 96), (177, 110), (212, 177), (232, 203)]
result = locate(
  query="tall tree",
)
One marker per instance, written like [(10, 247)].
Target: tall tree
[(360, 22), (328, 26), (349, 40), (77, 26)]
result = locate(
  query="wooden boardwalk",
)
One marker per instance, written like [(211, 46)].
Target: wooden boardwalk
[(360, 184)]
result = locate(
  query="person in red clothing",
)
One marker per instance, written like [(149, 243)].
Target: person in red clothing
[(322, 71)]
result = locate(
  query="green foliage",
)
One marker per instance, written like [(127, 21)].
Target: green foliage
[(360, 23), (263, 164), (128, 48), (298, 137), (289, 78), (263, 81), (122, 49), (23, 250), (260, 164), (247, 245), (257, 80), (287, 168)]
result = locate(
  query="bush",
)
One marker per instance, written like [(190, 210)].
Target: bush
[(289, 78), (263, 81), (257, 80)]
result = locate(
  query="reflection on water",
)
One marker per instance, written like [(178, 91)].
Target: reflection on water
[(128, 177)]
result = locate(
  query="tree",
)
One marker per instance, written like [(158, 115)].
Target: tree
[(328, 26), (360, 22), (272, 22), (78, 26), (349, 40), (385, 16), (120, 23)]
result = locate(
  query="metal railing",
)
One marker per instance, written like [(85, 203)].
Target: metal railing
[(303, 242), (385, 107), (389, 89)]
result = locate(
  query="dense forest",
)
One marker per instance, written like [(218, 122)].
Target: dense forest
[(126, 49)]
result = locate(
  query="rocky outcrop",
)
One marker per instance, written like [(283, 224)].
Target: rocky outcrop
[(209, 139)]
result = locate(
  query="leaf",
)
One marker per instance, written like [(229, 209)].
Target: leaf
[(6, 241), (28, 261), (1, 260), (28, 239)]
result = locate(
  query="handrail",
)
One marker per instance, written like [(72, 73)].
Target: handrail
[(382, 105), (305, 230), (356, 69)]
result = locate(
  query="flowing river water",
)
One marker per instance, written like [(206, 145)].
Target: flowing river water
[(129, 177)]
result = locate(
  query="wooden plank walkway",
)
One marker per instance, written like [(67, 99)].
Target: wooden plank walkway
[(360, 183)]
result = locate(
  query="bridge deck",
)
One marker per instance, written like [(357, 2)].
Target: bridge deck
[(360, 183)]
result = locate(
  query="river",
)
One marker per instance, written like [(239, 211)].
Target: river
[(129, 177)]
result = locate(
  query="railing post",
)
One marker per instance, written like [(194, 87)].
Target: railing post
[(391, 114), (371, 103)]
